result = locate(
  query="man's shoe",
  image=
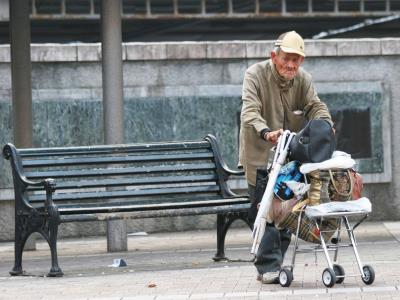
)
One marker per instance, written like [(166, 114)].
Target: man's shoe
[(269, 278)]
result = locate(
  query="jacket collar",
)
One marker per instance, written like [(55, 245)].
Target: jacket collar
[(282, 83)]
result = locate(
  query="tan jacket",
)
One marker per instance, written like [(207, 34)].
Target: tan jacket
[(271, 102)]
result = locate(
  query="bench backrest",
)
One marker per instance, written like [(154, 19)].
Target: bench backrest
[(142, 174)]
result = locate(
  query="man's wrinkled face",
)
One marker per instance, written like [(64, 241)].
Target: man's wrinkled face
[(287, 64)]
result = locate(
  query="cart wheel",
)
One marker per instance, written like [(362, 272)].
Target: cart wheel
[(339, 271), (369, 275), (285, 277), (328, 277)]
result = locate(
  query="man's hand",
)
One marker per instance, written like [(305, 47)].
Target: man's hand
[(273, 136)]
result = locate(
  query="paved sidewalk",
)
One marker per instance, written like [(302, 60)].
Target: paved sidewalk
[(178, 265)]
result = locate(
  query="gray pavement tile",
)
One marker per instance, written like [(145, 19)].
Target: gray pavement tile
[(181, 268), (309, 291), (207, 296), (338, 290), (139, 298), (372, 289), (241, 294), (276, 293), (172, 297)]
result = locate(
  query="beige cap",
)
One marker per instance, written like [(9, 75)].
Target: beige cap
[(291, 42)]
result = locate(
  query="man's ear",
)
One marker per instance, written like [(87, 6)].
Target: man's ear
[(273, 55)]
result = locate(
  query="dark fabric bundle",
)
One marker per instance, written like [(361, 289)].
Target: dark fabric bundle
[(314, 143)]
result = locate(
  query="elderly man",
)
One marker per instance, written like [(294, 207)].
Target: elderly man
[(277, 95)]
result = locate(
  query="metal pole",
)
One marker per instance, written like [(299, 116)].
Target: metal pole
[(284, 10), (20, 43), (336, 6), (20, 34), (257, 7), (230, 7), (113, 102)]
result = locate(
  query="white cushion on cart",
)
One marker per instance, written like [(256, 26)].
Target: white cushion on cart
[(339, 160), (362, 205)]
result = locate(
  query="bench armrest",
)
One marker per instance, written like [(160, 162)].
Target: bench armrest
[(44, 183), (223, 171), (49, 185), (239, 172), (10, 153), (220, 161)]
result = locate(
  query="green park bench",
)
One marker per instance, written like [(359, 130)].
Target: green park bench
[(109, 182)]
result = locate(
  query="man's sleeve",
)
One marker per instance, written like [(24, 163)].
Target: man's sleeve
[(252, 105)]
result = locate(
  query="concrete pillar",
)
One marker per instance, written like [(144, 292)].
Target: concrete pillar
[(20, 41), (113, 100), (20, 33), (116, 236)]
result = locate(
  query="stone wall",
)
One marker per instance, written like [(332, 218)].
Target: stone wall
[(185, 90)]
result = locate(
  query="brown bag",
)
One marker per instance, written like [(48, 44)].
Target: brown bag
[(357, 185), (334, 185), (340, 186)]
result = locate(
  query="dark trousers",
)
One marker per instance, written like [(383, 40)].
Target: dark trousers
[(274, 243)]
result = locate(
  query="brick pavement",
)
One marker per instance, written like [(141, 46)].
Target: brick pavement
[(179, 266)]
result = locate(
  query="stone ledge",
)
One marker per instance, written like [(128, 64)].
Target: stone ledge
[(206, 50), (321, 48), (89, 52), (5, 55), (186, 50), (359, 47), (390, 46), (146, 51), (258, 49), (218, 50), (53, 52), (6, 194)]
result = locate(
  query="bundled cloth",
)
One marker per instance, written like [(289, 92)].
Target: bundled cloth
[(360, 205)]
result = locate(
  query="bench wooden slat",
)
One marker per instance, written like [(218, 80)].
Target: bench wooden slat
[(128, 193), (154, 206), (131, 181), (170, 199), (119, 171), (113, 149), (184, 211), (55, 162)]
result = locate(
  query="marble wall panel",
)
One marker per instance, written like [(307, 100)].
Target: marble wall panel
[(184, 118), (72, 123), (79, 122), (6, 136)]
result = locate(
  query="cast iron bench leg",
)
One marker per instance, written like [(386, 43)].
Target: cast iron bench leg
[(224, 221), (223, 224), (21, 236), (55, 270)]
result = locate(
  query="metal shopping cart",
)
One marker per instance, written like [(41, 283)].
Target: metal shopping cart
[(334, 273), (316, 224)]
